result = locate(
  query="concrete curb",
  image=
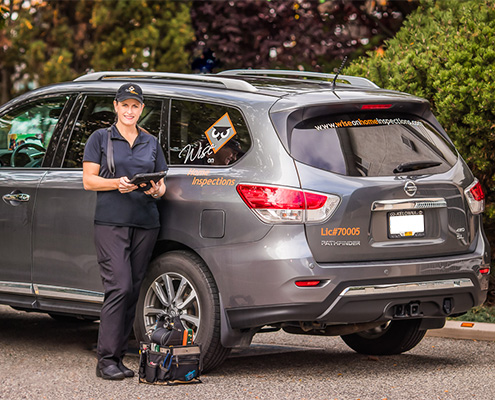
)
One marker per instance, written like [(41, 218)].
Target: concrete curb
[(465, 330)]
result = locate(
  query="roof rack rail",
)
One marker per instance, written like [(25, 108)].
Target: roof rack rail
[(233, 84), (351, 80)]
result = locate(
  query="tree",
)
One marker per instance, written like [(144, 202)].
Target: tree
[(39, 44), (145, 35), (299, 34), (445, 52), (4, 43), (8, 57), (45, 42)]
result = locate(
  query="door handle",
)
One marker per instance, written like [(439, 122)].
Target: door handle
[(14, 198)]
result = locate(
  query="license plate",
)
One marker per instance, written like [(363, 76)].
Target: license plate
[(405, 224)]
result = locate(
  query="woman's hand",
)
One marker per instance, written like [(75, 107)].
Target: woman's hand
[(157, 189), (125, 186)]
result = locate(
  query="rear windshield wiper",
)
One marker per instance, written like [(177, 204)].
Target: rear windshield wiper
[(415, 166)]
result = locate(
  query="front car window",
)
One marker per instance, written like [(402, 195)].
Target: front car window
[(98, 112), (26, 131), (206, 134), (372, 145)]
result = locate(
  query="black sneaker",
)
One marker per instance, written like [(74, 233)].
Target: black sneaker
[(112, 372), (128, 373)]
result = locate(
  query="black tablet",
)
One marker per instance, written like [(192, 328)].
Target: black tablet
[(147, 178)]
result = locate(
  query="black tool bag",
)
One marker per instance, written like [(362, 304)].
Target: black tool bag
[(164, 360), (169, 365)]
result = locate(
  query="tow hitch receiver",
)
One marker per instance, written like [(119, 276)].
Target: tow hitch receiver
[(448, 306), (407, 310)]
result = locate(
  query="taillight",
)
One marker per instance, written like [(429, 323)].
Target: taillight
[(311, 283), (275, 204), (475, 197)]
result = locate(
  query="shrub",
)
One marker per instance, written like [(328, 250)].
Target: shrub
[(478, 314)]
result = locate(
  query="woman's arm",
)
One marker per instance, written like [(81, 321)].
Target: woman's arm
[(92, 181)]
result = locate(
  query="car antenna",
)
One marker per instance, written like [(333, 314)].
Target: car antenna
[(339, 71)]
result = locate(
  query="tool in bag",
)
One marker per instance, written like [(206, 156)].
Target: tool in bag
[(170, 357), (168, 331)]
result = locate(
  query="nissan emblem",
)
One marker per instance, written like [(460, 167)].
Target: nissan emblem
[(410, 188)]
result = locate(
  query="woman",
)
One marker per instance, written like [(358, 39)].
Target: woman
[(126, 221)]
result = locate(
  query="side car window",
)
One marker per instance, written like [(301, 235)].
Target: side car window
[(206, 134), (98, 112), (26, 131)]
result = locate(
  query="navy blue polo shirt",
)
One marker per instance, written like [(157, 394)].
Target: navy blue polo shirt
[(134, 209)]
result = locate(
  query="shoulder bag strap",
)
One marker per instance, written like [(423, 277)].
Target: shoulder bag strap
[(110, 162)]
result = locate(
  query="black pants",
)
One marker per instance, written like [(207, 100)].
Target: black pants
[(123, 255)]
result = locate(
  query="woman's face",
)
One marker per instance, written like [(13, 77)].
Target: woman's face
[(128, 111)]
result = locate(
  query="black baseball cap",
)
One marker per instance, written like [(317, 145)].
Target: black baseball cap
[(129, 91)]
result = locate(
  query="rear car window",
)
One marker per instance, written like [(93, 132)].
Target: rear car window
[(206, 134), (371, 145)]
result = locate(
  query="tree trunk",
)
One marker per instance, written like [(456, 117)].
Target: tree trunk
[(4, 86)]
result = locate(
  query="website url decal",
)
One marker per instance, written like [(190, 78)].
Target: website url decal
[(367, 122)]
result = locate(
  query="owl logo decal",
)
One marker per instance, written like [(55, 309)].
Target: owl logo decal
[(220, 132)]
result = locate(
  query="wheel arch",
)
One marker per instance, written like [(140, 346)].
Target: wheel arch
[(229, 337), (165, 246)]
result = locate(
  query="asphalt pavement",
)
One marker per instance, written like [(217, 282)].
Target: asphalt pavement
[(46, 359)]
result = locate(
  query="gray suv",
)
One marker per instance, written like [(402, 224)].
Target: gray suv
[(296, 201)]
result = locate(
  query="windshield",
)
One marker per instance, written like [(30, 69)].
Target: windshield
[(371, 145)]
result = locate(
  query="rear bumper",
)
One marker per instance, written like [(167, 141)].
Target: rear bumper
[(351, 292), (348, 307)]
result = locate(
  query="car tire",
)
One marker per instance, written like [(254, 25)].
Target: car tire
[(394, 337), (179, 282)]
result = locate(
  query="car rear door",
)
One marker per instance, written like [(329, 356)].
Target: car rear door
[(65, 264)]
